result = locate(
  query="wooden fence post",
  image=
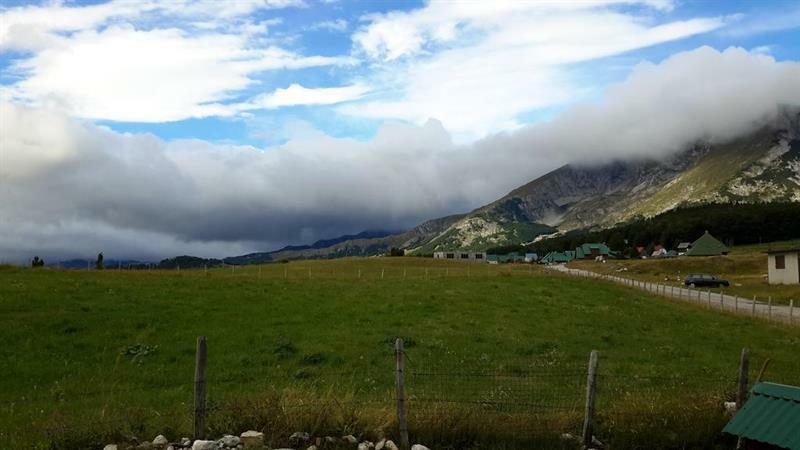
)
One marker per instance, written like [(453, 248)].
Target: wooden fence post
[(769, 307), (591, 389), (200, 388), (791, 311), (399, 356), (753, 311), (382, 270), (736, 304), (744, 368)]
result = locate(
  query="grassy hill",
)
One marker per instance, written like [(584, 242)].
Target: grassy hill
[(496, 354)]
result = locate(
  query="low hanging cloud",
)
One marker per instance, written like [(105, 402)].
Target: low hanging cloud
[(71, 188)]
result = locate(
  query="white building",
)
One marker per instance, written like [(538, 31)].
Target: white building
[(784, 266), (461, 256)]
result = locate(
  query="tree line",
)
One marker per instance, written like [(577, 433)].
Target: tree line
[(733, 224)]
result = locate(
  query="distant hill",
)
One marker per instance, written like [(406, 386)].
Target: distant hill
[(277, 255), (108, 263), (188, 262)]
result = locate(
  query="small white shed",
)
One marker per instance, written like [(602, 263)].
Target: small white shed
[(784, 266)]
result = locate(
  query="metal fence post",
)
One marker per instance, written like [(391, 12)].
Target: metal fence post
[(753, 311), (791, 311), (591, 389), (399, 356), (200, 388)]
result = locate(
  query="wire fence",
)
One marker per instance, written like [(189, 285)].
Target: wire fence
[(553, 396)]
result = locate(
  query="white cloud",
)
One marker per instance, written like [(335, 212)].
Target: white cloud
[(296, 94), (70, 188), (126, 74), (337, 25), (32, 27), (476, 66)]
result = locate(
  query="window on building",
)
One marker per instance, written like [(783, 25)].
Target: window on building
[(450, 256), (478, 256), (780, 261), (465, 256)]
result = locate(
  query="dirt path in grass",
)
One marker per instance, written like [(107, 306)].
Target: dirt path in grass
[(730, 303)]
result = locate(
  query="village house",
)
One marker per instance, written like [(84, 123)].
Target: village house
[(707, 245), (592, 251), (461, 256), (784, 266)]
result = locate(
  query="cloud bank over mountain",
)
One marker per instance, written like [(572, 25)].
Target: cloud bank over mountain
[(69, 187)]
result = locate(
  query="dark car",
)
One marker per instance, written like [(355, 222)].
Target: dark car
[(705, 280)]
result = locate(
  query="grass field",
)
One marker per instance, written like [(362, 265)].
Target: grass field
[(496, 354), (745, 268)]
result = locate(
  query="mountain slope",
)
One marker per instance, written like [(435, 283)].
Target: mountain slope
[(761, 167)]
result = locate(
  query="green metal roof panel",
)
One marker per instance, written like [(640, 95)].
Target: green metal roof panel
[(771, 415), (707, 245)]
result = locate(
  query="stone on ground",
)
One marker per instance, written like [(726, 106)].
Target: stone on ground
[(252, 438), (205, 445)]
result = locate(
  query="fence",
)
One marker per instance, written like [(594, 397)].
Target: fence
[(563, 397), (719, 300)]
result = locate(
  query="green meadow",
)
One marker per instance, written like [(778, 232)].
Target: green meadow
[(496, 355)]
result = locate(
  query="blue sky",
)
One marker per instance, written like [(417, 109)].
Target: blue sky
[(332, 29), (149, 128)]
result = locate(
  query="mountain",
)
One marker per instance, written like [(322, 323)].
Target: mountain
[(296, 251), (762, 167)]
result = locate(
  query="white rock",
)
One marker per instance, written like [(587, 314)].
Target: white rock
[(313, 447), (380, 444), (419, 447), (390, 446), (366, 445), (160, 441), (110, 447), (252, 438), (730, 407), (298, 438), (229, 441), (169, 447), (350, 439), (205, 445)]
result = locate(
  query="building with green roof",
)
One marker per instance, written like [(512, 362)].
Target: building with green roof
[(558, 257), (707, 245), (592, 251), (770, 419)]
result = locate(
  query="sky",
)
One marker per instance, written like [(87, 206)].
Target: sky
[(148, 129)]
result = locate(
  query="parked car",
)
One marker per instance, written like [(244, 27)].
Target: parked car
[(705, 280)]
